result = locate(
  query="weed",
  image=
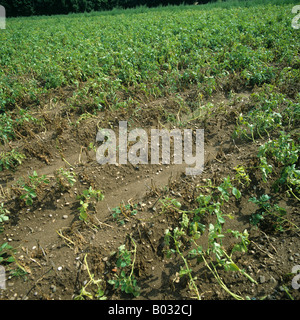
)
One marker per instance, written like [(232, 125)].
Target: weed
[(126, 282), (169, 204), (5, 253), (191, 230), (266, 168), (3, 213), (65, 179), (258, 122), (124, 212), (83, 117), (10, 125), (29, 190), (3, 216), (266, 114), (271, 215), (7, 132), (290, 177), (225, 187), (215, 248), (283, 150), (242, 176), (83, 213), (9, 160), (285, 153), (91, 146), (86, 200), (98, 283), (286, 289), (4, 257), (90, 194), (176, 238)]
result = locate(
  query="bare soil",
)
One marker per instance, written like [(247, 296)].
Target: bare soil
[(51, 241)]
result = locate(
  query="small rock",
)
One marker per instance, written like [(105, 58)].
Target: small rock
[(273, 280), (65, 216), (59, 268), (262, 279), (291, 258)]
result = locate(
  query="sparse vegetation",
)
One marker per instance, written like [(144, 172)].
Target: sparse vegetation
[(86, 201), (65, 179), (150, 231), (29, 189), (124, 278), (124, 212), (10, 160)]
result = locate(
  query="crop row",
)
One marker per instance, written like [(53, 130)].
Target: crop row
[(155, 53)]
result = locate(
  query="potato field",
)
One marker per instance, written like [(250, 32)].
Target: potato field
[(74, 229)]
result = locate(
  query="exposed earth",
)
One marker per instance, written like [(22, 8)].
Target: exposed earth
[(51, 243)]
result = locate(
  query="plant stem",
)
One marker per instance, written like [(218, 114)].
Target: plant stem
[(240, 270), (134, 256), (283, 219), (64, 237), (187, 268), (87, 267), (291, 191), (220, 281)]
